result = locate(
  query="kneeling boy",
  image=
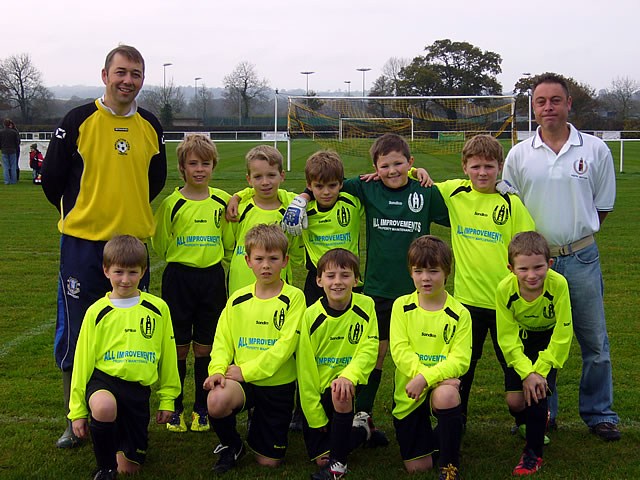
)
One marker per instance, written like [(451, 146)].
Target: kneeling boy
[(430, 340), (252, 364), (533, 319), (337, 350), (125, 344)]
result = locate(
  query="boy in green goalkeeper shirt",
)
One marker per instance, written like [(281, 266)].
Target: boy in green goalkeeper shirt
[(252, 364), (193, 237), (337, 350), (398, 210), (260, 204), (125, 345), (483, 222), (430, 343), (533, 316)]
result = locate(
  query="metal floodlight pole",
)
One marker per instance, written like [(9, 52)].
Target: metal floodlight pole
[(348, 82), (363, 70), (275, 119), (164, 80), (195, 93), (307, 75)]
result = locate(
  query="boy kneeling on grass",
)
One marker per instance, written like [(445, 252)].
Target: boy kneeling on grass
[(252, 364), (430, 340), (125, 345), (533, 319), (337, 350)]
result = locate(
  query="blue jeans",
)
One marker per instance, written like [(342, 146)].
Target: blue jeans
[(10, 168), (582, 271)]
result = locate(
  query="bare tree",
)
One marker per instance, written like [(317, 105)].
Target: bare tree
[(164, 102), (244, 88), (202, 102), (620, 96), (393, 66), (21, 86)]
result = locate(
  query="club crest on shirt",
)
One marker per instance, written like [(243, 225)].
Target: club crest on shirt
[(122, 146), (343, 215), (415, 202), (217, 215), (549, 312), (278, 319), (147, 326), (500, 214), (446, 335), (355, 333), (580, 166), (73, 287)]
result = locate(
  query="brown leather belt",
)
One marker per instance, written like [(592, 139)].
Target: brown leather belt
[(572, 247)]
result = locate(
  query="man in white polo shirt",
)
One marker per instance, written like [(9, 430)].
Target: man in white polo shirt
[(566, 180)]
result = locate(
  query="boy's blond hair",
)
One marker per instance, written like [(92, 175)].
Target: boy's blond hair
[(324, 166), (430, 251), (269, 237), (125, 251), (269, 154), (484, 146), (199, 144), (339, 257), (389, 142), (528, 243)]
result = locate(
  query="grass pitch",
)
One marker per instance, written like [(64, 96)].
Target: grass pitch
[(31, 416)]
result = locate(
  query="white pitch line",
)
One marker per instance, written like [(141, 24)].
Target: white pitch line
[(20, 339)]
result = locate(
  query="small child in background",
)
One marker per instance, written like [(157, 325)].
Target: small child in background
[(35, 162)]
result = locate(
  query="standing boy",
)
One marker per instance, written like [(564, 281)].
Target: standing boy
[(534, 332), (567, 181), (337, 350), (265, 175), (398, 210), (431, 348), (483, 222), (125, 345), (252, 364), (105, 163), (192, 236)]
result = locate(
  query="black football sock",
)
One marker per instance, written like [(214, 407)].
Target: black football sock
[(520, 417), (358, 437), (105, 443), (182, 372), (465, 388), (450, 430), (536, 425), (225, 428), (200, 374), (339, 436), (367, 394)]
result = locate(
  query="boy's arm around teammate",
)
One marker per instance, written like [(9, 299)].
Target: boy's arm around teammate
[(408, 362), (508, 328)]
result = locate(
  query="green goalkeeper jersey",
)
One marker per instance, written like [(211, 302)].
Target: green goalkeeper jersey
[(482, 226), (135, 344), (259, 336), (334, 344), (193, 232), (515, 317), (395, 217), (434, 344)]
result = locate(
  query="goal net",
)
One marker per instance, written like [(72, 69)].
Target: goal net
[(434, 125)]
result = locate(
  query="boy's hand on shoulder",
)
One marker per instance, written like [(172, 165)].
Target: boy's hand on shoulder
[(423, 177), (80, 428), (534, 388), (213, 381), (367, 177), (163, 416), (295, 218), (504, 187), (343, 389), (231, 213), (234, 372), (416, 386)]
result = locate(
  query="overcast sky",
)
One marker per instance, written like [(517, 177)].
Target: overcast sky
[(592, 41)]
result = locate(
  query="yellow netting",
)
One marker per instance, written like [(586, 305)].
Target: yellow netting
[(435, 125)]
